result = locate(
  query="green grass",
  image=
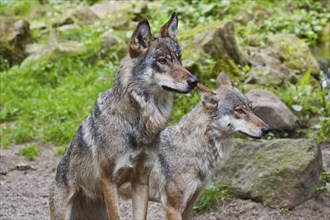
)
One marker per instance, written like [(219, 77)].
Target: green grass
[(212, 196), (30, 152), (48, 102)]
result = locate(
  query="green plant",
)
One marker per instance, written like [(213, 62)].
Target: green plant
[(8, 7), (47, 102), (59, 150), (30, 151), (311, 16), (307, 101), (211, 196), (325, 182)]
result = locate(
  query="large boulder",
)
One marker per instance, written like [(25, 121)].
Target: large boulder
[(14, 35), (218, 42), (272, 110), (295, 52), (280, 173)]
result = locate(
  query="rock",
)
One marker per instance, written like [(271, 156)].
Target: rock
[(264, 57), (296, 53), (280, 173), (117, 14), (67, 27), (81, 16), (14, 35), (272, 110), (33, 48), (267, 68), (218, 43), (53, 51), (22, 166), (325, 148), (264, 75), (243, 17), (108, 40)]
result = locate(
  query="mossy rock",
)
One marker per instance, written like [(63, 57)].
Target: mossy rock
[(14, 35), (210, 49), (280, 173), (219, 42), (296, 53)]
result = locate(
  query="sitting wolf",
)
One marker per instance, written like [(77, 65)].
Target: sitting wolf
[(189, 149)]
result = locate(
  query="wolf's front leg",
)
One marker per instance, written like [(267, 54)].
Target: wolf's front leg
[(140, 188), (110, 193)]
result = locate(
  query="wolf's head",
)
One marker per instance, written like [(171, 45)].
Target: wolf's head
[(158, 58), (231, 110)]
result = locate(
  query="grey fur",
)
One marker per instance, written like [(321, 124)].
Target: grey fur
[(190, 149), (116, 143)]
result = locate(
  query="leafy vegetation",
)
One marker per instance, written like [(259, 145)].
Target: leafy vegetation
[(307, 102), (50, 107), (325, 182), (30, 151), (212, 196)]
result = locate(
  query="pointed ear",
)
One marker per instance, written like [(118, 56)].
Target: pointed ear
[(209, 100), (169, 29), (140, 39), (224, 81)]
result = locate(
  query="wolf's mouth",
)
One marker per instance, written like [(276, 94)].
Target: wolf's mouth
[(246, 134), (175, 90)]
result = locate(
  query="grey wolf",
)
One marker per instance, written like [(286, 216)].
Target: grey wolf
[(189, 150), (116, 142)]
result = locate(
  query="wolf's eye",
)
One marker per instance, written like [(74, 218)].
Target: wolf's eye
[(162, 61)]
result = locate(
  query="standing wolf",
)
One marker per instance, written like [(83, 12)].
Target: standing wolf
[(115, 143), (189, 149)]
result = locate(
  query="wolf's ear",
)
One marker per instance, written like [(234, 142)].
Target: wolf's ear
[(209, 100), (224, 81), (169, 29), (140, 39)]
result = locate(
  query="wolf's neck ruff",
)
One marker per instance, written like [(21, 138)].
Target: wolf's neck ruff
[(147, 109), (206, 131)]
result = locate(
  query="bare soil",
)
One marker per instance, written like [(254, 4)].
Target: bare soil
[(24, 189)]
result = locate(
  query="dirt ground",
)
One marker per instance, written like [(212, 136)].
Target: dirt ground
[(24, 194)]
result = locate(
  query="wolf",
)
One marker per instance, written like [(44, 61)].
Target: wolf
[(116, 143), (189, 150)]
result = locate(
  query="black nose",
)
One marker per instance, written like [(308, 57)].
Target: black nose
[(265, 129), (192, 81)]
